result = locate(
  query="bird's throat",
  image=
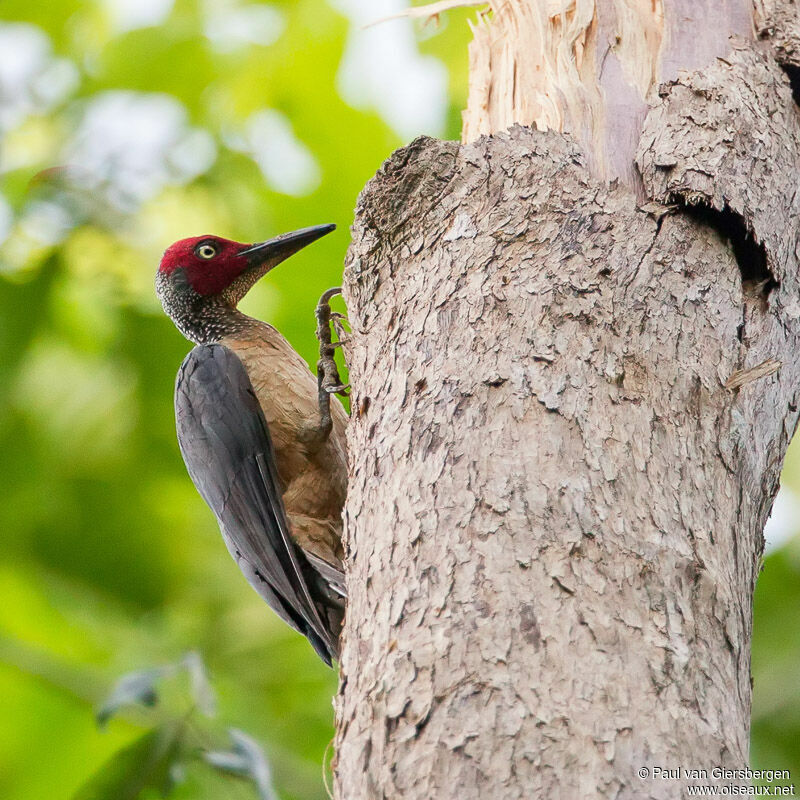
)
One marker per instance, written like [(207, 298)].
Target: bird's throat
[(200, 318), (209, 324)]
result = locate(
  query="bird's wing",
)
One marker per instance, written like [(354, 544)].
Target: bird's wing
[(225, 442)]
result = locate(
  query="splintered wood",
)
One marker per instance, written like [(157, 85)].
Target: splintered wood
[(430, 11), (744, 376), (588, 67), (562, 65)]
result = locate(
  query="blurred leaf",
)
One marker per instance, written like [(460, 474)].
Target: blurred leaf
[(139, 688), (134, 688), (202, 692), (145, 764), (246, 759), (165, 62)]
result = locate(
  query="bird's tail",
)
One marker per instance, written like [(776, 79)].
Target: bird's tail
[(331, 606)]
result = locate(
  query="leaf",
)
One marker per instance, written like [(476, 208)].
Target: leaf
[(246, 759), (202, 692), (133, 688), (147, 763), (140, 687)]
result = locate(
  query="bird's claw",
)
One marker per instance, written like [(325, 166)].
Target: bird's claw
[(328, 379), (338, 320)]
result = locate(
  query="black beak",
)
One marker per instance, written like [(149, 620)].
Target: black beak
[(287, 244)]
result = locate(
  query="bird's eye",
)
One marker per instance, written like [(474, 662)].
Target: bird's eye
[(205, 250)]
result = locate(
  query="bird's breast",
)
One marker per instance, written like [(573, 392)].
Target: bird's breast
[(314, 483)]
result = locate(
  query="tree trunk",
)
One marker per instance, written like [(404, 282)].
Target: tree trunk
[(571, 402)]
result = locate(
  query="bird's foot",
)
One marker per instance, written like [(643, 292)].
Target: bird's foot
[(331, 382), (343, 389), (328, 379), (342, 334)]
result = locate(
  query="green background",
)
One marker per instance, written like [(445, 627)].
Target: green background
[(109, 561)]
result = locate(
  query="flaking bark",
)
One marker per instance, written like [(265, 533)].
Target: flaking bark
[(778, 22), (557, 493)]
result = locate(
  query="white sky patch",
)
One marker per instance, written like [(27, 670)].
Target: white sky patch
[(128, 15), (6, 220), (46, 223), (131, 145), (286, 163), (784, 521), (230, 28), (193, 154), (383, 69), (31, 79)]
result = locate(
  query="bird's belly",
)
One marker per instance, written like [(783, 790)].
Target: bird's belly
[(313, 492), (314, 484)]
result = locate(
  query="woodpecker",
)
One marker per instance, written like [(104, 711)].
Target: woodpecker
[(262, 438)]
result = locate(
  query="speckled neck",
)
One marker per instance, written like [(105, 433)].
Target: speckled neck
[(201, 319)]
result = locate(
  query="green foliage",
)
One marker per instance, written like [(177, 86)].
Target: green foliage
[(141, 687), (776, 710), (110, 562), (245, 759), (144, 764), (157, 760)]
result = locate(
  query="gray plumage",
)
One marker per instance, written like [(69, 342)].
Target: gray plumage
[(226, 444)]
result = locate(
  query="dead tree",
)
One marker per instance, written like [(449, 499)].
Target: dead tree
[(575, 376)]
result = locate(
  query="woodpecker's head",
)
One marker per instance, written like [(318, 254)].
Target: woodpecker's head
[(200, 280)]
